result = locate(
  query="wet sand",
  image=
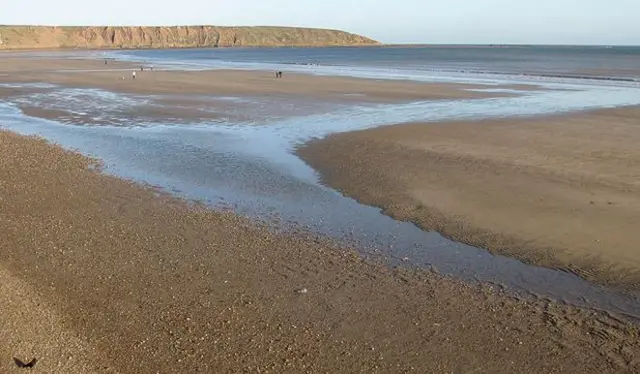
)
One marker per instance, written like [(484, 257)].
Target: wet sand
[(101, 275), (554, 191), (94, 74), (186, 97)]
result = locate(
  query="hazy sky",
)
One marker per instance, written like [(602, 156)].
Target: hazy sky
[(397, 21)]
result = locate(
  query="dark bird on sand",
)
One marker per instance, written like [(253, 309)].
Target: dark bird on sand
[(21, 364)]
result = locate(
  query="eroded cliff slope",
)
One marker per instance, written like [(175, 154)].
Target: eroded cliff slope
[(35, 37)]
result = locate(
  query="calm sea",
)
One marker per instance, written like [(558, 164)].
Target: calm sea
[(616, 63)]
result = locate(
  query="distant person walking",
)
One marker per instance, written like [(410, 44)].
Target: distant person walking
[(133, 75)]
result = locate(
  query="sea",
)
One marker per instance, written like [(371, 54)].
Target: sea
[(481, 62), (248, 164)]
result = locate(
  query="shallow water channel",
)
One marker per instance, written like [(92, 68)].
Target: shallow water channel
[(247, 163)]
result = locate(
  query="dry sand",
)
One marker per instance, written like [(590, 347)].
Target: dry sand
[(100, 275), (561, 191)]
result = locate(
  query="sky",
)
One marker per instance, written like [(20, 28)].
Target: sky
[(610, 22)]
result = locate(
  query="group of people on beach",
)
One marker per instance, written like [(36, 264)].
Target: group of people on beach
[(133, 74)]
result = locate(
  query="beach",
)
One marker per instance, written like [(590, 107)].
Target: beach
[(558, 191), (94, 74), (195, 240), (102, 275), (196, 96)]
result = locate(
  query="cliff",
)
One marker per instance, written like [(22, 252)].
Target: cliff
[(41, 37)]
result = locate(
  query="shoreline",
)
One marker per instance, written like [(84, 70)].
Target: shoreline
[(474, 77), (112, 276), (507, 185), (92, 73)]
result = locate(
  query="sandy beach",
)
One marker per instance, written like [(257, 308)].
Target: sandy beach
[(94, 74), (554, 191), (192, 96), (99, 274)]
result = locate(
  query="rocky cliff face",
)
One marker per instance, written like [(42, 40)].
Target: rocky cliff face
[(34, 37)]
